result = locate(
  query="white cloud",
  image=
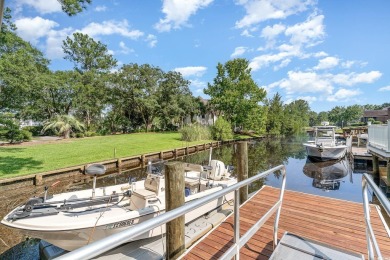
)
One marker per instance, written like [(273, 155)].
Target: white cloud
[(283, 64), (238, 51), (100, 8), (308, 33), (152, 40), (305, 82), (343, 95), (355, 78), (124, 49), (309, 99), (41, 6), (327, 63), (385, 88), (246, 33), (191, 71), (111, 27), (320, 54), (178, 12), (198, 84), (54, 43), (31, 29), (271, 32), (284, 56), (261, 10)]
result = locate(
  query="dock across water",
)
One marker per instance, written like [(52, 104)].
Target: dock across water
[(337, 223)]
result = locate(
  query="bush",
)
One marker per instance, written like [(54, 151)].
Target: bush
[(17, 136), (90, 134), (35, 130), (79, 135), (222, 130), (195, 132)]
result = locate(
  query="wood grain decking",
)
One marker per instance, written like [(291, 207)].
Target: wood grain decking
[(335, 222)]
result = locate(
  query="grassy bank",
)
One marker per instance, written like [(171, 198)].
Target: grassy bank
[(27, 159)]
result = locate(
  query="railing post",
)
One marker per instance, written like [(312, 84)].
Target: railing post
[(375, 168), (388, 136), (242, 165), (174, 198), (237, 222)]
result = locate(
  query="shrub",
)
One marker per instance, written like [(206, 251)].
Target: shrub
[(79, 135), (17, 136), (222, 130), (35, 130), (90, 134), (195, 132)]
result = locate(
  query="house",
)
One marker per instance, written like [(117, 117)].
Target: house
[(206, 117), (378, 115)]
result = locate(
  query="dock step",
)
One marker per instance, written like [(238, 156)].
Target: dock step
[(296, 247)]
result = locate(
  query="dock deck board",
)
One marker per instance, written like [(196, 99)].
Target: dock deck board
[(335, 222)]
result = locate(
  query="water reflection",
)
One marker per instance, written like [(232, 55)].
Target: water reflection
[(327, 175)]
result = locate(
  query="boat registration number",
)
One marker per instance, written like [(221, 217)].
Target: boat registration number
[(120, 224)]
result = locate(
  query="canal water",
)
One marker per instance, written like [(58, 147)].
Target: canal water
[(331, 179)]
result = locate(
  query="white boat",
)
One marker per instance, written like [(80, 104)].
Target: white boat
[(74, 219), (325, 145)]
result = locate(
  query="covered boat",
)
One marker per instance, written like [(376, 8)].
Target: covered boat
[(74, 219), (325, 146)]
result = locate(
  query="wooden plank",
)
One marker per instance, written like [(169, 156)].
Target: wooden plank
[(337, 223)]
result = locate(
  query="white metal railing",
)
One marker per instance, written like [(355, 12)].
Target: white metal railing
[(370, 236), (379, 136), (101, 246)]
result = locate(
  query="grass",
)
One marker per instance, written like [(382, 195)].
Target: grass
[(20, 160)]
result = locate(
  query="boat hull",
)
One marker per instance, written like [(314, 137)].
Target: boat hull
[(325, 152), (115, 219)]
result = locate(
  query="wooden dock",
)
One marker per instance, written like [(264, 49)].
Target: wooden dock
[(335, 222)]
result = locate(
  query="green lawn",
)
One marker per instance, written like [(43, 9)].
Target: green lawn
[(26, 159)]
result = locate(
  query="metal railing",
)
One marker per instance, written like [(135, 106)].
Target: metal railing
[(101, 246), (379, 136), (370, 236)]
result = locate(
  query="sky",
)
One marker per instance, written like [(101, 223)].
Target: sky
[(327, 52)]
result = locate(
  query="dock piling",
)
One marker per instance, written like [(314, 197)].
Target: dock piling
[(242, 165), (174, 198)]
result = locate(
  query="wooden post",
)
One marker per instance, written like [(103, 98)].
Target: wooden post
[(143, 161), (119, 163), (375, 168), (38, 180), (175, 153), (242, 165), (388, 170), (187, 150), (196, 149), (174, 198), (161, 155)]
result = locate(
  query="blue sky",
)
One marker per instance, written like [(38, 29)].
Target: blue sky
[(330, 53)]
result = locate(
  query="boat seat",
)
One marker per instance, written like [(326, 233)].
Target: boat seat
[(144, 194), (95, 169)]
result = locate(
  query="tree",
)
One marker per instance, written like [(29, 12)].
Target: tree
[(352, 113), (296, 115), (275, 115), (135, 93), (93, 62), (73, 7), (234, 93), (336, 115), (173, 100), (64, 125), (21, 68)]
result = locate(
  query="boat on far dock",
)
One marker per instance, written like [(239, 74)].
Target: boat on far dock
[(326, 146)]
